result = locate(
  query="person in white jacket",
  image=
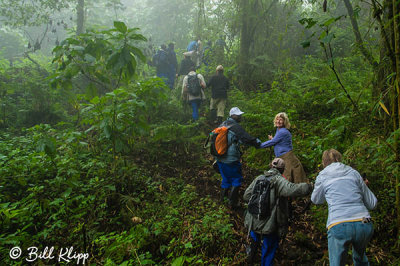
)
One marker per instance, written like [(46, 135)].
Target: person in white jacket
[(349, 201)]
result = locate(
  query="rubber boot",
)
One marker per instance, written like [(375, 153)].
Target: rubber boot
[(224, 194), (234, 197), (251, 251)]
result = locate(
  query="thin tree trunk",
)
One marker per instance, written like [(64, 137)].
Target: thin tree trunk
[(200, 25), (80, 17), (396, 88), (357, 34)]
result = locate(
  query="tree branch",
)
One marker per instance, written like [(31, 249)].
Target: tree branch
[(357, 34), (40, 68), (332, 67)]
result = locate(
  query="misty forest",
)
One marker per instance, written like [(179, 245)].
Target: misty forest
[(102, 149)]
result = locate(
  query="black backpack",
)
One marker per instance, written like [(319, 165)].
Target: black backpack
[(193, 85), (259, 203)]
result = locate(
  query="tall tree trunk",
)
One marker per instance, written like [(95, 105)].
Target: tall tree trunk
[(80, 21), (243, 60), (201, 20), (248, 15), (376, 90), (396, 103)]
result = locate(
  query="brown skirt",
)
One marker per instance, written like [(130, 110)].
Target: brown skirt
[(294, 171)]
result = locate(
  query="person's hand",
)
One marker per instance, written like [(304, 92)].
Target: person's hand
[(366, 181), (176, 75), (270, 137)]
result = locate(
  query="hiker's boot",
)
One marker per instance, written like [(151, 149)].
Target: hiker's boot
[(213, 115), (224, 194), (251, 251), (234, 197)]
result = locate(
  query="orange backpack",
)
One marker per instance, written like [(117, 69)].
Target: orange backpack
[(218, 139)]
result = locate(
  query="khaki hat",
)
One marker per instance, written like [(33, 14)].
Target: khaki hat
[(220, 67), (278, 163)]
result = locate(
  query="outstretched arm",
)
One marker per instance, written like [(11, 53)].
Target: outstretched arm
[(245, 137), (279, 136), (289, 189)]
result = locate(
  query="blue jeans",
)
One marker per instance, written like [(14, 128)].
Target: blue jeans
[(270, 244), (195, 108), (339, 238), (231, 174)]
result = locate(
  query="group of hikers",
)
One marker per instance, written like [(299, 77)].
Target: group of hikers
[(268, 196), (192, 83)]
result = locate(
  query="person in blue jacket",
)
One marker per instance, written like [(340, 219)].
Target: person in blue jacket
[(229, 164), (173, 65), (192, 46), (349, 201), (160, 61), (282, 142)]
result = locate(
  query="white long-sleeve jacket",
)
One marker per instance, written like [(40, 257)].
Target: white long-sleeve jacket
[(344, 190)]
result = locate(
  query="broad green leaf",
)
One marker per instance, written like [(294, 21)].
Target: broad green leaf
[(78, 48), (310, 22), (120, 26), (89, 58), (178, 261), (322, 35), (138, 53), (328, 22)]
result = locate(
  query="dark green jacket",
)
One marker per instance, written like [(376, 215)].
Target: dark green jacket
[(280, 190)]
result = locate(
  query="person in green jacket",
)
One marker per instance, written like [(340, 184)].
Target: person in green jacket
[(269, 230)]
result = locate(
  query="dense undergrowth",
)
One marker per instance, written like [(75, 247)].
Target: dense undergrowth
[(114, 175)]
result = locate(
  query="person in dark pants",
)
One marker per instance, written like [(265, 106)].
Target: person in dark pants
[(219, 86), (270, 229), (160, 61), (229, 164), (173, 65)]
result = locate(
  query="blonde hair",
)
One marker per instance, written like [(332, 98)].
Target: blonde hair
[(285, 118), (331, 156)]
